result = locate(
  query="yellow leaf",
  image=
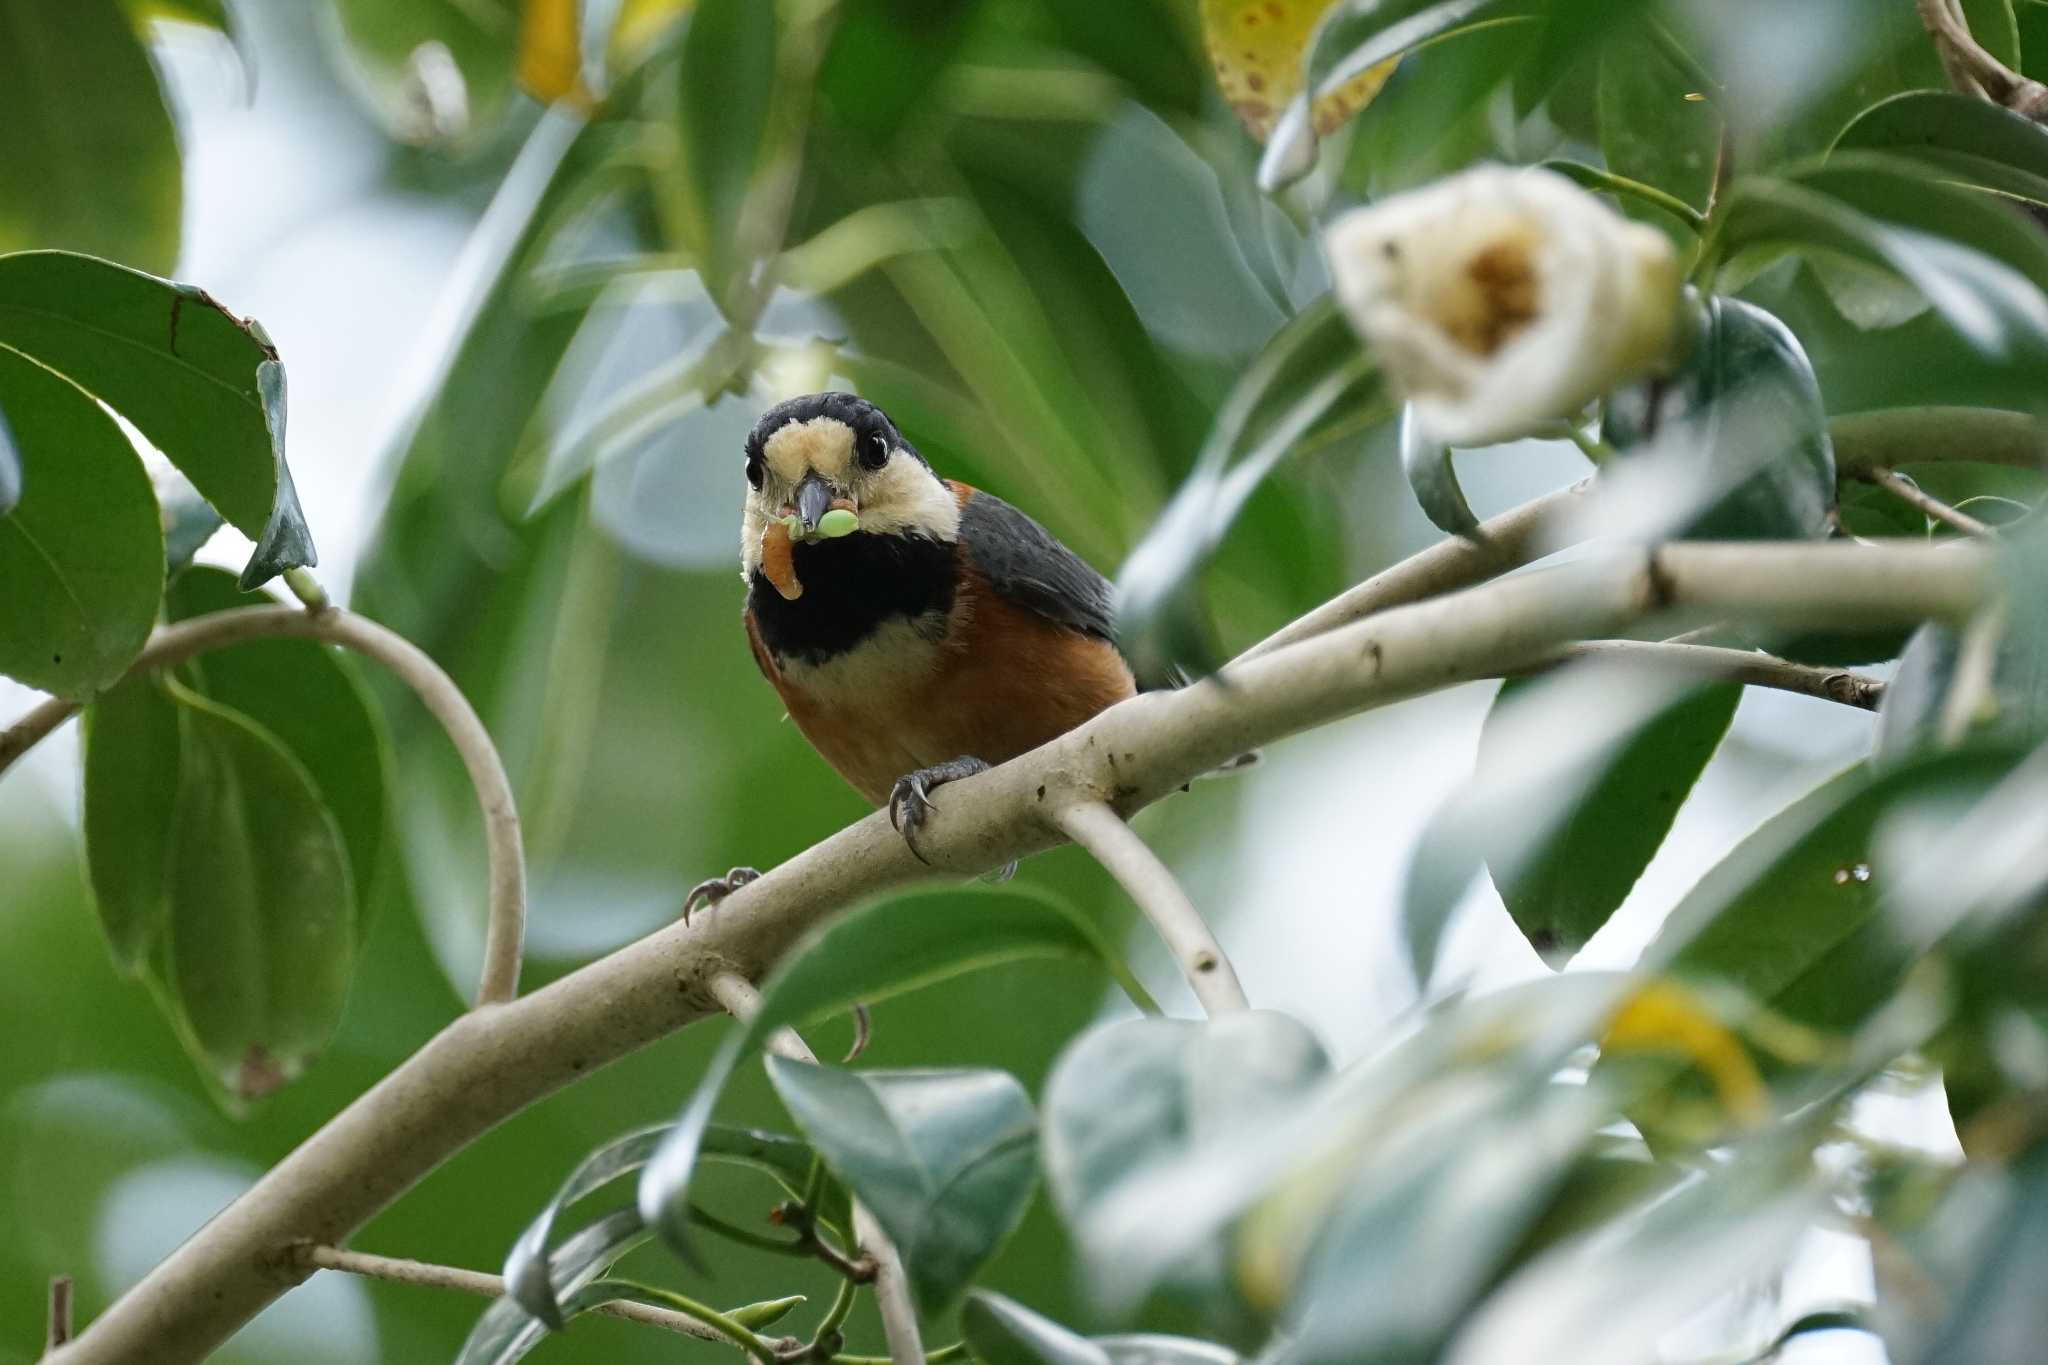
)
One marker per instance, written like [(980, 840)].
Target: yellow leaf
[(1258, 47), (551, 51), (1666, 1017)]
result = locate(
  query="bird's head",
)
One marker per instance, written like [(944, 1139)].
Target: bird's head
[(833, 452)]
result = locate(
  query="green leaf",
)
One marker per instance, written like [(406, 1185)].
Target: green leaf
[(1313, 375), (1957, 137), (945, 1160), (1898, 192), (1569, 886), (312, 699), (1128, 1097), (1422, 1227), (728, 76), (201, 384), (92, 160), (131, 805), (1549, 742), (1739, 431), (864, 957), (1793, 917), (262, 925), (1351, 38), (1654, 126), (1989, 1242), (189, 521), (1932, 244), (81, 553), (507, 1332), (1433, 116), (2015, 713), (1000, 1331), (1434, 479), (1615, 1293), (529, 1267), (209, 13)]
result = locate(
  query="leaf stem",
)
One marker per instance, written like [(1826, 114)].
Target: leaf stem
[(718, 1322), (955, 1351), (892, 1287), (733, 1232), (398, 1270), (835, 1318), (307, 589), (1594, 178), (173, 644)]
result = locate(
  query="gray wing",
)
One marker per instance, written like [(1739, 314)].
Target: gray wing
[(1023, 562)]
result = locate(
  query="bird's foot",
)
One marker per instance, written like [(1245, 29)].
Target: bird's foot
[(711, 891), (910, 801)]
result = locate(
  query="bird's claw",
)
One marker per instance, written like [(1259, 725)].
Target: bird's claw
[(910, 800), (712, 890)]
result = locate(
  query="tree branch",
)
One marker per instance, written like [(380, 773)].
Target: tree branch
[(1963, 56), (174, 644), (1744, 666), (892, 1287), (490, 1064), (1151, 884), (1505, 542), (1881, 439), (397, 1270)]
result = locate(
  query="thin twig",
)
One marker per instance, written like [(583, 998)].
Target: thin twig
[(173, 644), (398, 1270), (1151, 884), (1749, 667), (59, 1329), (1906, 491), (892, 1288), (487, 1065)]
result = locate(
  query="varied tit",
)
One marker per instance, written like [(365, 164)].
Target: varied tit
[(918, 630)]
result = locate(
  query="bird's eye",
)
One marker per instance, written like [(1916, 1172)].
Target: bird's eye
[(754, 473), (875, 453)]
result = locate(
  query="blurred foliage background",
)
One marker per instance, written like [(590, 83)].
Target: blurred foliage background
[(526, 343)]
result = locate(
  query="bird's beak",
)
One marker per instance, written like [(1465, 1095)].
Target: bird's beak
[(813, 500)]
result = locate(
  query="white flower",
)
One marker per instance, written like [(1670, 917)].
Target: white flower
[(1500, 299)]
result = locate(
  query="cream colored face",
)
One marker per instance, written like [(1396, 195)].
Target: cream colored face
[(903, 497)]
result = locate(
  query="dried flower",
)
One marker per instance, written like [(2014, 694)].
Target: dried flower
[(1500, 300)]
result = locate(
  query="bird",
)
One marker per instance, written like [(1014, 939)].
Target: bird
[(917, 629)]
